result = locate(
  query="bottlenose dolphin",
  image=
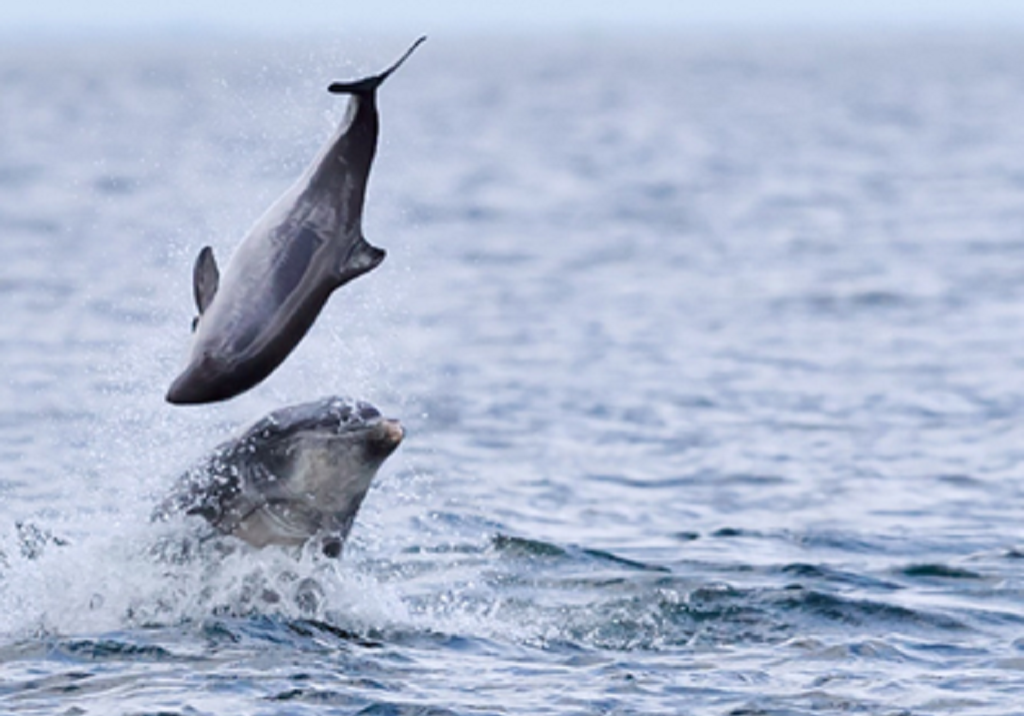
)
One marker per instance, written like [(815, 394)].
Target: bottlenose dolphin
[(300, 472), (309, 243)]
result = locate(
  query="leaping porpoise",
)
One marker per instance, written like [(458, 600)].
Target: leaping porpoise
[(301, 472), (309, 243)]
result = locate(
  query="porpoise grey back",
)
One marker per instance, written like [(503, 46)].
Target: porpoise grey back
[(301, 472), (309, 243)]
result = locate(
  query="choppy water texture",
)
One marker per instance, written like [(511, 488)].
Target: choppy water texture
[(711, 355)]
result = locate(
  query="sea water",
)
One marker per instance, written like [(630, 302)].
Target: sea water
[(710, 352)]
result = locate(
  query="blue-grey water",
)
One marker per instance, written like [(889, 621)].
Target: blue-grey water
[(710, 354)]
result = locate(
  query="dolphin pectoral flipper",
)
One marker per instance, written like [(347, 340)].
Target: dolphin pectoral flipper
[(362, 257), (205, 279)]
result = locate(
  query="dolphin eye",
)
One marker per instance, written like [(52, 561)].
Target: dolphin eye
[(331, 547), (343, 414)]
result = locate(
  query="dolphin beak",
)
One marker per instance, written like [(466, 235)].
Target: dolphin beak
[(387, 436), (196, 384), (183, 391)]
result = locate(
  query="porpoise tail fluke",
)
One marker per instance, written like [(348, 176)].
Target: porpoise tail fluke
[(369, 84)]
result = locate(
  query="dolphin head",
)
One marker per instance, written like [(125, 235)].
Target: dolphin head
[(318, 446), (300, 471), (312, 465), (209, 378)]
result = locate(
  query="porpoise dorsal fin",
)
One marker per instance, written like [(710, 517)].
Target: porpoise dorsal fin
[(361, 258), (205, 279), (369, 84)]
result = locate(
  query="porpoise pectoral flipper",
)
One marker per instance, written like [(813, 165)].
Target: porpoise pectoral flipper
[(308, 244)]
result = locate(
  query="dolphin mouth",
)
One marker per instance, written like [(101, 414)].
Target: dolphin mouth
[(203, 381), (189, 389), (393, 431), (185, 391), (387, 436)]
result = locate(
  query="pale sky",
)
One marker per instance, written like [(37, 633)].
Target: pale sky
[(23, 17)]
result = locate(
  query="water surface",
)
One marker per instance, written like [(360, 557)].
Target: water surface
[(708, 352)]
